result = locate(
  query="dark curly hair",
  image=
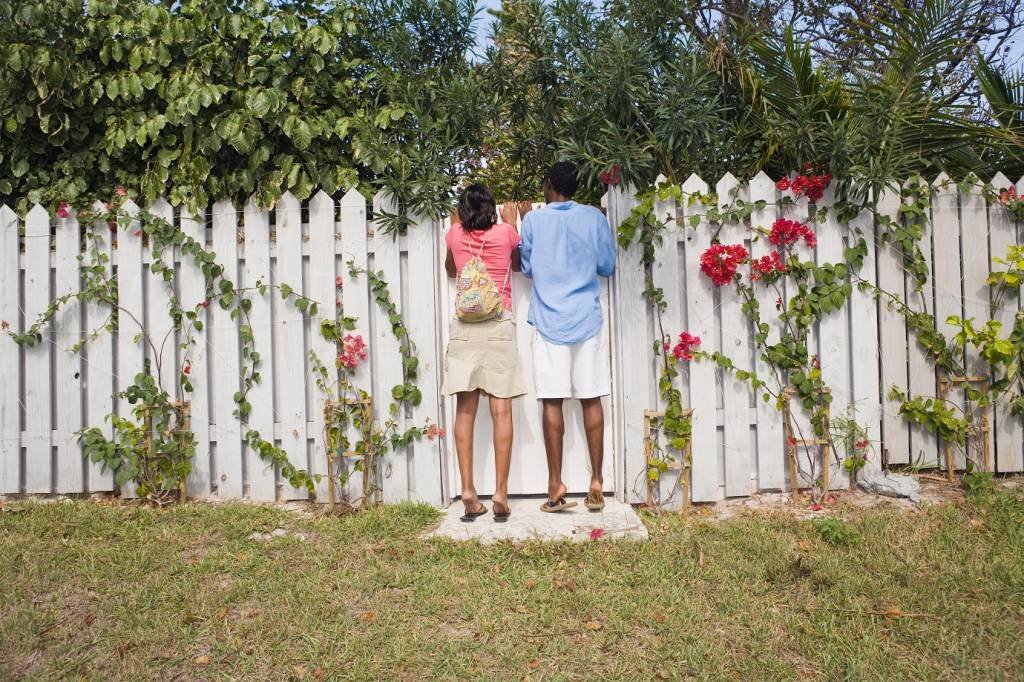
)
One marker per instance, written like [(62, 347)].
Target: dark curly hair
[(477, 208), (562, 177)]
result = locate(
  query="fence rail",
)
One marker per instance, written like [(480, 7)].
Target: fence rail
[(47, 392)]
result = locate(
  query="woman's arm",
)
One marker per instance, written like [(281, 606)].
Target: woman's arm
[(449, 265)]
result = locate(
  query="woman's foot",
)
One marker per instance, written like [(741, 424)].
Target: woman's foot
[(474, 508), (501, 509)]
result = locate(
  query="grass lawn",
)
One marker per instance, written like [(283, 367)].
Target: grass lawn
[(102, 591)]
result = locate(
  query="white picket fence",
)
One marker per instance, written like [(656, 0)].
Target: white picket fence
[(48, 393)]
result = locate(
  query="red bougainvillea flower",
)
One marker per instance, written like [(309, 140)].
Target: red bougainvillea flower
[(720, 262), (137, 233), (767, 266), (1007, 195), (187, 369), (806, 184), (684, 349), (121, 191), (787, 232), (433, 431), (816, 507), (596, 533), (816, 362), (612, 176), (62, 210), (791, 440), (782, 185), (861, 444), (203, 304), (338, 282), (353, 350), (778, 303)]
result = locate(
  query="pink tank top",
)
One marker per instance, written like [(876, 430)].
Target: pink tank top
[(498, 244)]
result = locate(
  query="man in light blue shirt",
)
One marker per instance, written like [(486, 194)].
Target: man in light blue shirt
[(565, 247)]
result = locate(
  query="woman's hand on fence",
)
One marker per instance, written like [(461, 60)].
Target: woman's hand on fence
[(508, 213)]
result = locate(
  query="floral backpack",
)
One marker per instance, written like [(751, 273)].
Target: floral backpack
[(477, 299)]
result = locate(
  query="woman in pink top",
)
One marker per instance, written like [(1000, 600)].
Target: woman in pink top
[(481, 357)]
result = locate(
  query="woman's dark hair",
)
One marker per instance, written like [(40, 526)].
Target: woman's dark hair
[(477, 208), (562, 177)]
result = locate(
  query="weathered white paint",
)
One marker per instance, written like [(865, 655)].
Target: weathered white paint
[(10, 361)]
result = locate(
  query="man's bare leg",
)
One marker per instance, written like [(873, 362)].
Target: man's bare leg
[(554, 432), (593, 425)]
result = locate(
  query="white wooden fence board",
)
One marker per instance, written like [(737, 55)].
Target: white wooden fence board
[(10, 360), (38, 424), (633, 361), (289, 358), (229, 479), (701, 321), (356, 304), (1009, 435), (324, 291), (892, 335), (864, 353), (67, 331), (422, 319), (192, 295), (261, 475), (948, 293), (99, 354), (921, 372), (386, 259), (736, 397), (130, 336), (158, 312), (834, 336), (666, 275), (771, 472), (975, 235)]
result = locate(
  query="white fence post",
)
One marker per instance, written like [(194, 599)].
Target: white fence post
[(10, 355)]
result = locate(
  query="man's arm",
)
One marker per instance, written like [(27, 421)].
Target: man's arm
[(605, 248), (526, 246), (449, 264)]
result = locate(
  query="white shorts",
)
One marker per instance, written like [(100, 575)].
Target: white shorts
[(577, 371)]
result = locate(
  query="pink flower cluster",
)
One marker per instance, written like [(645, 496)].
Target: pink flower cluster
[(766, 266), (720, 262), (684, 349), (811, 186), (612, 176), (353, 350), (788, 232), (433, 430)]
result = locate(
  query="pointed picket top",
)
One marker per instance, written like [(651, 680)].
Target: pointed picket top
[(604, 201), (288, 202), (38, 213), (161, 208), (661, 179), (187, 214), (321, 201), (695, 184), (130, 207), (944, 184), (726, 189), (353, 198), (252, 205), (223, 207), (1000, 181), (8, 218), (1020, 186)]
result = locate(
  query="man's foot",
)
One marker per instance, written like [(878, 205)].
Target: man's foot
[(556, 501)]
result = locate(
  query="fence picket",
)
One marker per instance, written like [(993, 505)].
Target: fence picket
[(423, 320), (736, 397), (834, 333), (700, 318), (892, 337), (262, 484), (865, 356), (323, 290), (1009, 434), (356, 304), (131, 346), (386, 259), (228, 464), (67, 331), (948, 295), (771, 472), (10, 360), (38, 424), (193, 297), (289, 359), (666, 276), (99, 354)]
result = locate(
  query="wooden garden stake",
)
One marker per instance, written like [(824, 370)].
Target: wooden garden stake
[(945, 384), (328, 411), (823, 443)]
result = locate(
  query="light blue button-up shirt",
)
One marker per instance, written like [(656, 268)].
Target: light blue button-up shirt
[(565, 247)]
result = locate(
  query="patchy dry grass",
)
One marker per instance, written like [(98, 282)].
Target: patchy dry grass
[(126, 592)]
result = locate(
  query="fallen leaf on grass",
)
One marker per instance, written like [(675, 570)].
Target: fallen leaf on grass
[(596, 534), (368, 616), (89, 620), (299, 672), (805, 545), (594, 625), (201, 660), (530, 584), (522, 609), (567, 584), (535, 664), (659, 617), (893, 612)]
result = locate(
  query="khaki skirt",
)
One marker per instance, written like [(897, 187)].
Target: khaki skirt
[(483, 356)]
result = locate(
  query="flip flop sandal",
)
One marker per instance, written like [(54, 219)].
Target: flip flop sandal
[(556, 505), (501, 516), (470, 517), (595, 502)]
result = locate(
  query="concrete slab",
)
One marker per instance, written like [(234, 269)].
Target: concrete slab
[(528, 522)]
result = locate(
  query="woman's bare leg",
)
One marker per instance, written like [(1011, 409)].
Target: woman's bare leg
[(501, 416), (465, 418)]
